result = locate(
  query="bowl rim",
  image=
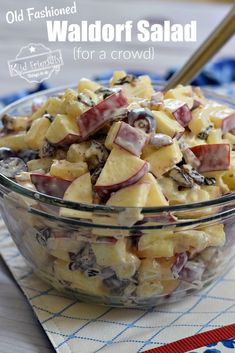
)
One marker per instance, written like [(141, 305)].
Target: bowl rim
[(55, 201)]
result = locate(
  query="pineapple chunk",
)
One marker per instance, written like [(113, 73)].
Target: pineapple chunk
[(76, 152), (51, 106), (220, 183), (181, 93), (141, 89), (155, 195), (66, 170), (229, 176), (166, 125), (164, 159), (154, 245), (199, 122), (149, 269), (37, 164), (15, 123), (85, 83), (216, 235), (117, 75), (170, 285), (36, 134), (111, 135), (149, 289), (117, 256), (79, 191), (152, 269), (70, 104), (61, 247), (14, 141), (131, 196)]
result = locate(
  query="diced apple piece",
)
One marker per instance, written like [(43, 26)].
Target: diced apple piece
[(212, 157), (111, 135), (130, 138), (228, 123), (40, 164), (50, 185), (183, 115), (97, 116), (131, 196), (78, 280), (79, 191), (178, 110), (15, 142), (167, 126), (215, 136), (164, 159), (76, 152), (155, 196), (120, 170), (141, 88), (117, 257), (66, 170), (36, 134), (63, 131), (85, 83), (199, 121)]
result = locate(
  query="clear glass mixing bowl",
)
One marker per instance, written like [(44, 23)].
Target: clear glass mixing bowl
[(105, 256)]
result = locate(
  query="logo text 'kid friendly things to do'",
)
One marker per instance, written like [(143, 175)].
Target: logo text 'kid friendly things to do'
[(35, 63)]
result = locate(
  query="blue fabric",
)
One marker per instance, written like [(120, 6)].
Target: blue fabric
[(217, 73), (8, 99)]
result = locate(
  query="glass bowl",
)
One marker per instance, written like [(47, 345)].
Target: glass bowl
[(127, 257)]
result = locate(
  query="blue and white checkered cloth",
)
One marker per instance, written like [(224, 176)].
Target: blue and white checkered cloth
[(76, 327)]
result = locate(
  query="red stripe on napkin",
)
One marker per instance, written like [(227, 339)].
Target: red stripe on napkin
[(197, 341)]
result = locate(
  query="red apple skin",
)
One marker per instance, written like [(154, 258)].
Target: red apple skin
[(178, 135), (97, 116), (183, 115), (104, 190), (196, 104), (212, 157), (130, 138), (68, 140), (228, 123), (164, 217), (49, 185)]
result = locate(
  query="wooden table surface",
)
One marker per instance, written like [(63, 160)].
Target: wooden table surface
[(19, 328)]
